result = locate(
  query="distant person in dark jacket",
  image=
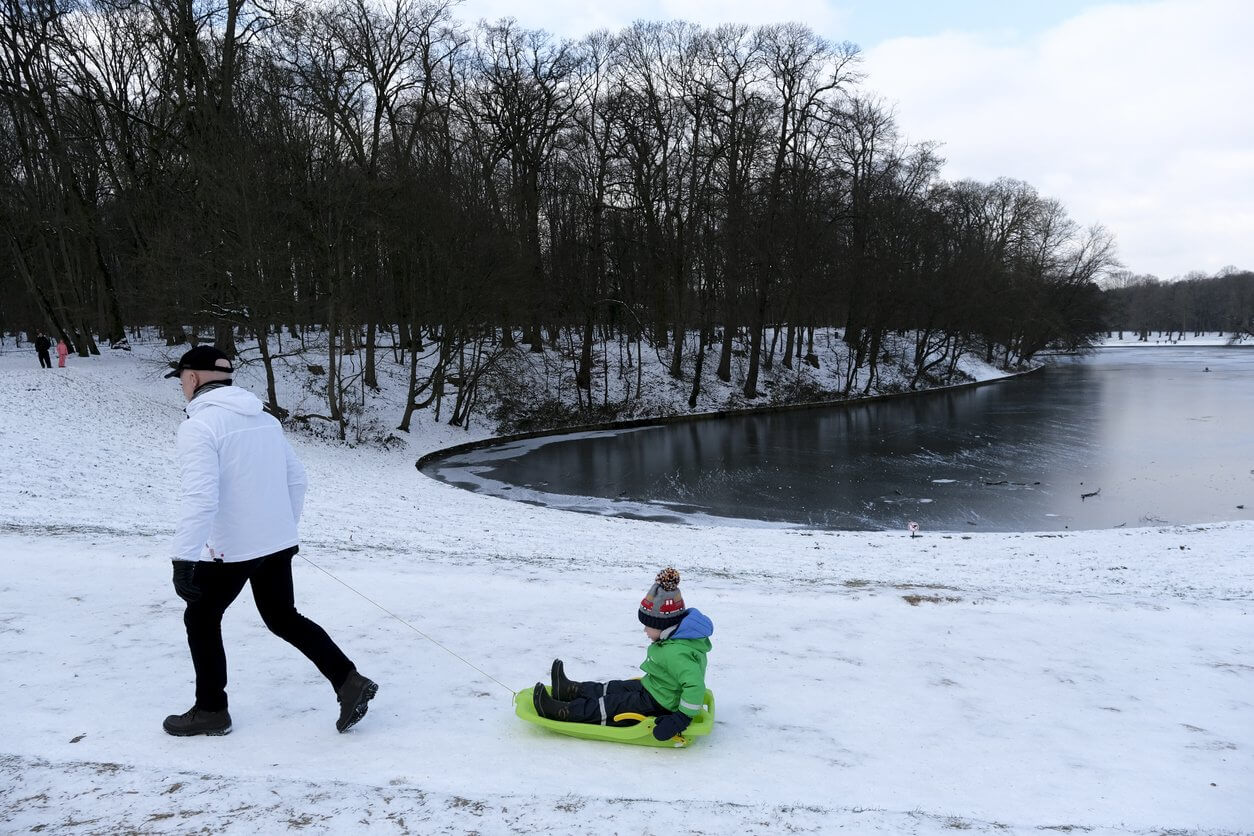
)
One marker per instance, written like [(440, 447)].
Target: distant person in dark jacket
[(42, 346)]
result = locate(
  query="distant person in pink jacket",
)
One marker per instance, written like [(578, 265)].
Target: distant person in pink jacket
[(63, 351)]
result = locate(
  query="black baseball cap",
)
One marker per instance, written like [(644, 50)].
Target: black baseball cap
[(202, 358)]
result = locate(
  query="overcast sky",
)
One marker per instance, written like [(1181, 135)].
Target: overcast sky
[(1136, 115)]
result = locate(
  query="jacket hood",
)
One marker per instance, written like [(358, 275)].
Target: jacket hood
[(235, 399), (695, 625)]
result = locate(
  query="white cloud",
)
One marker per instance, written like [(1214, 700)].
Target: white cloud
[(1136, 117)]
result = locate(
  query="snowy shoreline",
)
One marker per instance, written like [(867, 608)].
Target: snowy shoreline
[(688, 417), (1094, 680), (1161, 340)]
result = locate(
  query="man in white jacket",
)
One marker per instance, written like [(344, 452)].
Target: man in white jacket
[(242, 493)]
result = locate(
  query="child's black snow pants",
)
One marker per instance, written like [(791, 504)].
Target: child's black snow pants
[(598, 702)]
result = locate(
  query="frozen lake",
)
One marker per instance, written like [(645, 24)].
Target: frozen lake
[(1156, 435)]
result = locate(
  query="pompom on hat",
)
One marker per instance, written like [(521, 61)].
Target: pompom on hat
[(663, 605)]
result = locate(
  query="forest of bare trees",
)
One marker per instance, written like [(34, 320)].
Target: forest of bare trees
[(1195, 304), (232, 168)]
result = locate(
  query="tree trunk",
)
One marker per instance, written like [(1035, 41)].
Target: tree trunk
[(724, 354), (755, 354), (583, 375), (224, 338), (533, 338), (411, 392), (873, 360), (677, 351), (333, 381), (369, 376), (758, 326), (272, 398), (699, 363)]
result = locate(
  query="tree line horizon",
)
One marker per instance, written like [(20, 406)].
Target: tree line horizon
[(350, 166)]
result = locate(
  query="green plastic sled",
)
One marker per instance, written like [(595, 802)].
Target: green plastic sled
[(641, 733)]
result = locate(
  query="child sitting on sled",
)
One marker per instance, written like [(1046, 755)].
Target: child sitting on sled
[(673, 686)]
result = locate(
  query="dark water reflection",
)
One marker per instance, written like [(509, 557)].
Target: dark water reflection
[(1162, 440)]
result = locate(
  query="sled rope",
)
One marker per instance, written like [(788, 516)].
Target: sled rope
[(358, 592)]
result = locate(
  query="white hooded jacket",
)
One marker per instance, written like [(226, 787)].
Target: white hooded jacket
[(242, 486)]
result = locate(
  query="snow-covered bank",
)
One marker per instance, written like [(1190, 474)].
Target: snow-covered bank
[(997, 683), (1174, 338), (529, 392)]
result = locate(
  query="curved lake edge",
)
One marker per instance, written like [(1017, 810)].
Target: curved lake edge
[(667, 420), (1156, 346)]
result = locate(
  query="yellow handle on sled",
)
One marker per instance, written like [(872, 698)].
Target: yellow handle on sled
[(678, 740)]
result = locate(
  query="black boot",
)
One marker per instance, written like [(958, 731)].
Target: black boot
[(548, 707), (197, 721), (563, 688), (353, 696)]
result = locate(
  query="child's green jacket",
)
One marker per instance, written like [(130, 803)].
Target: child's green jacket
[(674, 670)]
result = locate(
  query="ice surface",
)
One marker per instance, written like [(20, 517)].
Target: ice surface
[(1125, 438)]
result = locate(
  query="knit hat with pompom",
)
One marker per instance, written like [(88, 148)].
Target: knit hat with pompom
[(663, 604)]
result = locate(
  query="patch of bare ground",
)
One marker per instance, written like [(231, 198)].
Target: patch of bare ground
[(915, 600)]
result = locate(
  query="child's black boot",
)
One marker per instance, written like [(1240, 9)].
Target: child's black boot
[(548, 707), (563, 688)]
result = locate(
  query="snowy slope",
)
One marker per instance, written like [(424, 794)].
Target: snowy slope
[(1096, 681)]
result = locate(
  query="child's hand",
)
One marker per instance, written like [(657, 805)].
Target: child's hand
[(670, 725)]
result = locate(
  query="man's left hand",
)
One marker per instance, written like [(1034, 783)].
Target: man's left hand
[(185, 581)]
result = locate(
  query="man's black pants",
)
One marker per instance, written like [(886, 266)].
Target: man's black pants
[(598, 702), (271, 579), (45, 361)]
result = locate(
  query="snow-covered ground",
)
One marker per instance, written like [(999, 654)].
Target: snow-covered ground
[(1133, 338), (1100, 682)]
